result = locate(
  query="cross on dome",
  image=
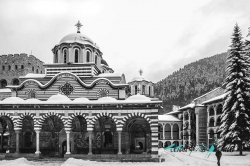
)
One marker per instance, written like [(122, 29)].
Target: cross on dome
[(140, 71), (78, 25)]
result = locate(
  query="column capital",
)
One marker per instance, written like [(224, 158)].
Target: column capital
[(17, 129), (90, 129), (67, 129), (37, 129)]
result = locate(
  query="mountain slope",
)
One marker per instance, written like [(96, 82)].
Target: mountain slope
[(192, 81)]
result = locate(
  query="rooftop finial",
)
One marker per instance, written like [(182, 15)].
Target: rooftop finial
[(78, 25), (140, 71)]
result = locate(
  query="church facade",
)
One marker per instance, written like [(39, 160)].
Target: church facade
[(78, 106)]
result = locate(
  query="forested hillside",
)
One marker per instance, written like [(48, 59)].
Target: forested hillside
[(192, 81)]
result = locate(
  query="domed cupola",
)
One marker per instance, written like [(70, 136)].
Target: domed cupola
[(77, 48), (141, 85), (78, 54)]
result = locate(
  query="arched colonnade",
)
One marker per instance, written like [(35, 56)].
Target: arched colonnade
[(53, 133)]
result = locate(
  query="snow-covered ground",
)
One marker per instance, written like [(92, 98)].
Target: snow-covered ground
[(171, 159)]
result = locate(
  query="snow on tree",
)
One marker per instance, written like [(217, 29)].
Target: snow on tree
[(235, 127)]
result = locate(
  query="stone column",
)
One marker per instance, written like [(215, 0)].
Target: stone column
[(17, 131), (207, 117), (119, 142), (183, 120), (163, 130), (215, 114), (179, 132), (172, 131), (1, 141), (208, 135), (90, 142), (197, 128), (207, 126), (37, 130), (189, 127), (67, 130)]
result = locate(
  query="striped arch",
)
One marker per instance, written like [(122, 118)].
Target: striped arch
[(22, 116), (39, 122), (14, 121), (92, 121), (135, 114), (70, 119)]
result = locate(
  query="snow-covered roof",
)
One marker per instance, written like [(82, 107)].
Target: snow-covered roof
[(221, 97), (207, 93), (110, 75), (58, 98), (5, 90), (138, 97), (107, 99), (62, 99), (32, 75), (12, 100), (32, 100), (166, 117), (81, 99), (173, 112), (140, 78), (191, 105)]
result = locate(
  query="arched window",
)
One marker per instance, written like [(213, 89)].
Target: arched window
[(9, 67), (96, 59), (136, 89), (219, 109), (64, 56), (3, 83), (15, 81), (31, 94), (22, 67), (56, 58), (88, 56), (143, 89), (16, 67), (3, 67), (211, 111), (149, 91), (211, 122), (76, 55)]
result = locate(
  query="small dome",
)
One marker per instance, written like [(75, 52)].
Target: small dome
[(140, 78), (81, 100), (107, 99), (138, 97), (58, 98), (76, 37), (13, 100), (32, 100), (104, 62)]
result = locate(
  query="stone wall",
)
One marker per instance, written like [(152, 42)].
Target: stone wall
[(12, 66)]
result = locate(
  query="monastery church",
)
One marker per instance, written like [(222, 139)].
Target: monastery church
[(78, 106)]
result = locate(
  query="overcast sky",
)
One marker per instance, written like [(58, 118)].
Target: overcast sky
[(157, 36)]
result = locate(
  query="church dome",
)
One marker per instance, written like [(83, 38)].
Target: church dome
[(76, 37), (58, 98), (140, 78)]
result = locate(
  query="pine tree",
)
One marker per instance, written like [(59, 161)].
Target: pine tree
[(235, 127)]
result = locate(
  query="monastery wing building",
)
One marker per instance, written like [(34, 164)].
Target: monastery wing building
[(78, 107)]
